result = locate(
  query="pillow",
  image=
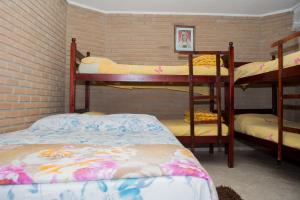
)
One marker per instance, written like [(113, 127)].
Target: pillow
[(98, 60), (59, 122), (200, 116), (207, 60)]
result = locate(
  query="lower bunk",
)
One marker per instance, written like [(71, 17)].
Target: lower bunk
[(205, 134), (79, 156), (261, 130)]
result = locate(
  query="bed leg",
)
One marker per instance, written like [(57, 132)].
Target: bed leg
[(211, 148), (279, 162), (226, 148), (231, 107), (72, 76), (87, 96)]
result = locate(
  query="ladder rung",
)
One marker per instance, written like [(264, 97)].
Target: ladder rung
[(290, 129), (208, 122), (203, 97), (291, 107), (291, 96)]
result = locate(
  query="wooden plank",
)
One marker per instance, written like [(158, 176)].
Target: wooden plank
[(286, 39), (138, 78), (212, 97), (289, 75), (258, 111), (291, 129), (204, 52), (191, 101), (87, 96), (274, 99), (231, 107), (72, 76), (291, 96), (218, 99), (280, 103), (291, 107), (204, 97), (186, 140)]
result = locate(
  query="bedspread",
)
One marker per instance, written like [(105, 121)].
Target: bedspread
[(28, 164), (123, 156)]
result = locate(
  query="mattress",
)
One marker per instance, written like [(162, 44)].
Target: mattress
[(79, 156), (148, 69), (181, 128), (265, 126), (256, 68)]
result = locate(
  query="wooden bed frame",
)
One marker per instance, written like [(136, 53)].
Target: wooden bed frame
[(191, 80), (277, 79)]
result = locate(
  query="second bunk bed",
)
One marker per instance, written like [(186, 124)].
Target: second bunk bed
[(268, 127), (188, 75)]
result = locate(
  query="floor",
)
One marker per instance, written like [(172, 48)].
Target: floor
[(256, 175)]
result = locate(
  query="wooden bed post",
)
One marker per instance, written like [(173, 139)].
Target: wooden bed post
[(212, 97), (274, 94), (274, 99), (72, 76), (87, 91), (211, 109), (219, 105), (191, 101), (280, 103), (231, 106)]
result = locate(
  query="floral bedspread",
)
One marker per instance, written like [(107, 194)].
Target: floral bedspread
[(28, 164), (74, 156)]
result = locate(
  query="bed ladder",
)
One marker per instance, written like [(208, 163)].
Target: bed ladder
[(281, 96), (196, 100)]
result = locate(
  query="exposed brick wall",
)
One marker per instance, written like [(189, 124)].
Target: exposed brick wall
[(32, 65), (148, 39), (272, 29)]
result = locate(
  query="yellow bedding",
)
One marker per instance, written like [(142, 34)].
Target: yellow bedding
[(180, 128), (101, 65), (264, 126), (263, 67), (115, 68)]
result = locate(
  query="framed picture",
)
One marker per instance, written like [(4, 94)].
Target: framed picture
[(184, 38)]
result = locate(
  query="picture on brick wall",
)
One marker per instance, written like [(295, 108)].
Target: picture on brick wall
[(184, 38)]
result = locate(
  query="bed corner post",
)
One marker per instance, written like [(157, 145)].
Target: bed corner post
[(280, 103), (87, 91), (231, 106), (72, 76), (191, 101)]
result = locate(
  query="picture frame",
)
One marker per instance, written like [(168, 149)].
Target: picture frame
[(184, 38)]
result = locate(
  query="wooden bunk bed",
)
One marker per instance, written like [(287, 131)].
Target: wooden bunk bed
[(289, 76), (215, 81)]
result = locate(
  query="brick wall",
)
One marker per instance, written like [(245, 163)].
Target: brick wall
[(32, 65), (148, 39)]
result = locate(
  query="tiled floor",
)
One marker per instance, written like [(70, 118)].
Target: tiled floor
[(255, 176)]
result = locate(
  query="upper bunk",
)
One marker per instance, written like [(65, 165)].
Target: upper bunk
[(268, 72), (155, 75)]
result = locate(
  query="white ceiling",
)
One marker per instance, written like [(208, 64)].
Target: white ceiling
[(201, 7)]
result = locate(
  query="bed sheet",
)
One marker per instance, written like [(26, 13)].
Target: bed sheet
[(181, 128), (265, 126), (256, 68)]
